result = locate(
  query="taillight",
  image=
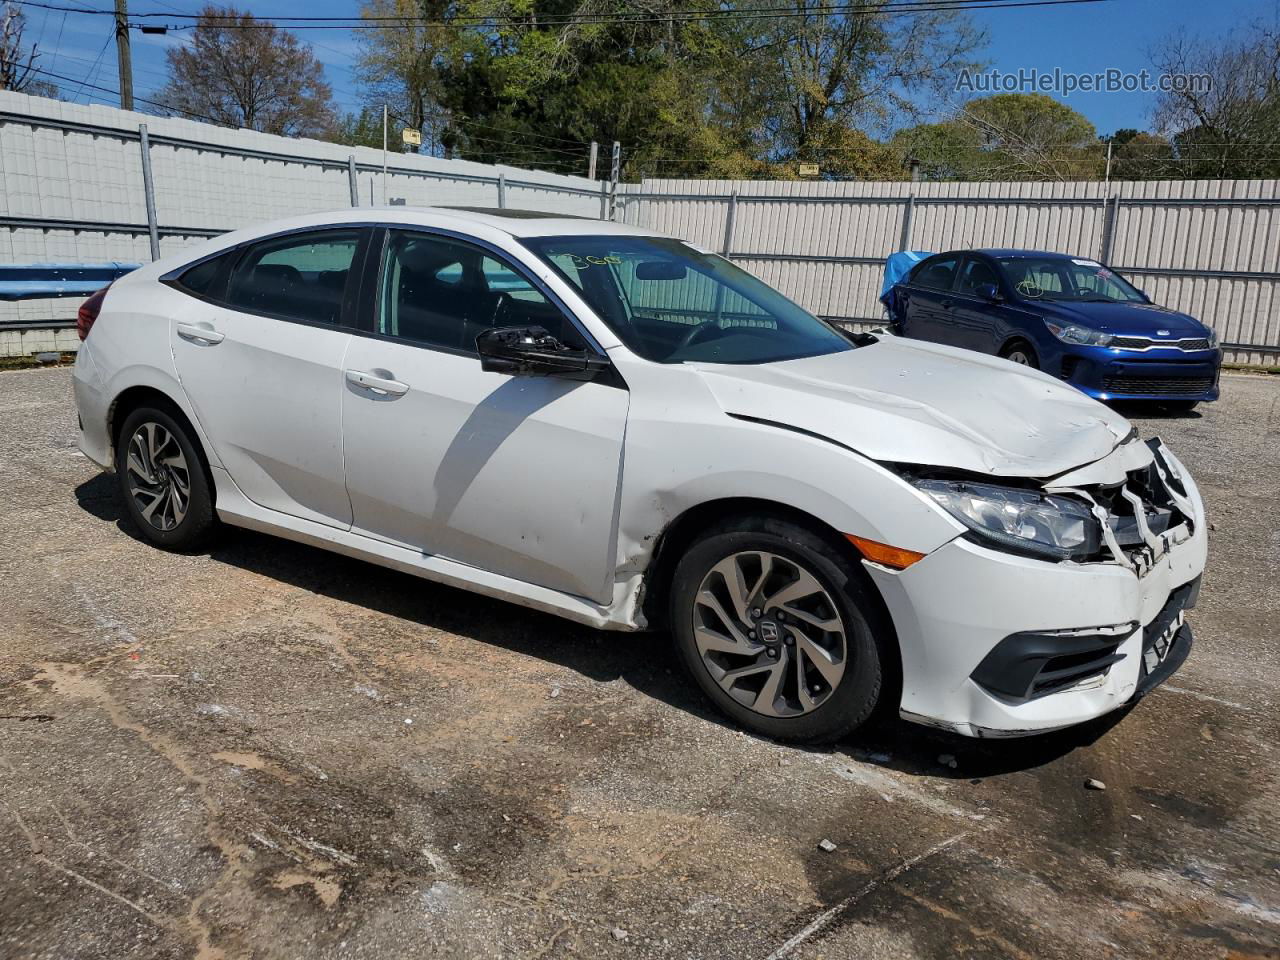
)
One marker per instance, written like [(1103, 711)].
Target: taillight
[(89, 310)]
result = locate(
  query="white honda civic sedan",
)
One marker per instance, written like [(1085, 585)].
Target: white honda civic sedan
[(631, 432)]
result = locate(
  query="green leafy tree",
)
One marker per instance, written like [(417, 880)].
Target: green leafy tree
[(1138, 155), (360, 129), (532, 81), (1031, 136)]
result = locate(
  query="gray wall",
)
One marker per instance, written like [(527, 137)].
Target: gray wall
[(74, 188), (1209, 248)]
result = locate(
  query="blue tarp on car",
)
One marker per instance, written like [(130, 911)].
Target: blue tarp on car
[(897, 266)]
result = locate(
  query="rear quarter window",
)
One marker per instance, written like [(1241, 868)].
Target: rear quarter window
[(207, 279)]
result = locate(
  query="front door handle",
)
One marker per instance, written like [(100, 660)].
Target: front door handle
[(384, 386), (201, 334), (948, 304)]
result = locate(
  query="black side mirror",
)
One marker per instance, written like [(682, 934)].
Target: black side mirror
[(987, 291), (532, 351)]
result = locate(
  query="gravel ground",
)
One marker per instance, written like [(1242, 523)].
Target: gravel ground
[(271, 751)]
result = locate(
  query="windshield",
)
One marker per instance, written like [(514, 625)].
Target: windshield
[(670, 302), (1064, 278)]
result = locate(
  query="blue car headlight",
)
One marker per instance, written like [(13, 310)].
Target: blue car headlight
[(1078, 334), (1019, 520)]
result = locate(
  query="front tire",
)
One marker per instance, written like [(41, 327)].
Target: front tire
[(1021, 353), (163, 480), (779, 630)]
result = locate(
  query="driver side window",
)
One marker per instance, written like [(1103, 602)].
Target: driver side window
[(442, 292)]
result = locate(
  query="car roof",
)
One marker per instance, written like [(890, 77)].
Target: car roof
[(1010, 252), (516, 223)]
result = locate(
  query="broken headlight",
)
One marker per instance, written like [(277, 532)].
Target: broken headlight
[(1024, 521)]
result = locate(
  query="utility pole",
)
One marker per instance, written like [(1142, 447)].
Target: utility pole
[(122, 55), (384, 154), (591, 164)]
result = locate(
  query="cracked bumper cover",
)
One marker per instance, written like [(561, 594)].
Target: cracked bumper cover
[(956, 607)]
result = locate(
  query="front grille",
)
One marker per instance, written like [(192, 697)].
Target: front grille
[(1145, 343), (1168, 386)]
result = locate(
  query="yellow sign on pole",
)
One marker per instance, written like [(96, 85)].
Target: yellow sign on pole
[(808, 169), (411, 137)]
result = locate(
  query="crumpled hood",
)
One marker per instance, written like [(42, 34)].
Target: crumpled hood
[(1124, 319), (906, 401)]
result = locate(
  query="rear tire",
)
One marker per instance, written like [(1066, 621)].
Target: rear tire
[(164, 480), (760, 606), (1022, 353)]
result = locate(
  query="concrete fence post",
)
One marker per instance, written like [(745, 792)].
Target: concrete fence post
[(502, 191), (149, 191), (604, 199), (351, 180), (908, 211)]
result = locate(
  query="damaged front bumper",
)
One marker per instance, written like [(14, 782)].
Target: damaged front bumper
[(997, 645)]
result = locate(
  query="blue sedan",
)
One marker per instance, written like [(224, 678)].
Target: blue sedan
[(1070, 316)]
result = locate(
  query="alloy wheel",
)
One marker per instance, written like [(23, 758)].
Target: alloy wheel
[(1019, 356), (157, 475), (769, 633)]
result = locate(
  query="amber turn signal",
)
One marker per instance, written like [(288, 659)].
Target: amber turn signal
[(893, 557)]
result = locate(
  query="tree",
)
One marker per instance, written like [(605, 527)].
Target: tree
[(243, 72), (401, 62), (18, 70), (1009, 136), (864, 68), (1138, 155), (363, 129), (687, 90), (1031, 136), (1223, 118)]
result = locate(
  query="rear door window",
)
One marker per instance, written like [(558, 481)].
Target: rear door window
[(938, 274), (301, 276)]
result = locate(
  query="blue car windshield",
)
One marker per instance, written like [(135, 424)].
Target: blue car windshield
[(1067, 278), (671, 302)]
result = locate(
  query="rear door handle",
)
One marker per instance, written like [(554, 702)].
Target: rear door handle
[(383, 386), (201, 333), (948, 304)]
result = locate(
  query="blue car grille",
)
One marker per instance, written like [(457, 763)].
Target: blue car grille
[(1164, 386), (1144, 343)]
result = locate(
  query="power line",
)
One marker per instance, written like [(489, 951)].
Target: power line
[(476, 21)]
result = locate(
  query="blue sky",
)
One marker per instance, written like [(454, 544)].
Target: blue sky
[(1085, 39)]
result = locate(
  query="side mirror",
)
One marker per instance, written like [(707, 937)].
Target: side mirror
[(987, 291), (532, 351)]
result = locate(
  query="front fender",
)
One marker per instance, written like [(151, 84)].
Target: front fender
[(673, 468)]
